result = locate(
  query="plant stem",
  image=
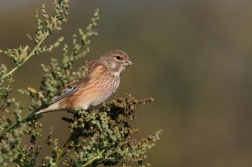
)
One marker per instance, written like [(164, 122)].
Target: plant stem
[(13, 70), (29, 56), (15, 125), (62, 152), (41, 139), (95, 158), (37, 46)]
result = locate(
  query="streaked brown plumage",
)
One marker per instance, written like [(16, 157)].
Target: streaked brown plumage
[(101, 81)]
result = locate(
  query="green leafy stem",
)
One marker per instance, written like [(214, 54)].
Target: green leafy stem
[(29, 56)]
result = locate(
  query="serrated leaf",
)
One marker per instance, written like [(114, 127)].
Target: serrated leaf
[(32, 90), (41, 95), (30, 38), (24, 53), (4, 69)]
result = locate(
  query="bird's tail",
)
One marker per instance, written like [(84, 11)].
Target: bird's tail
[(51, 108), (43, 111)]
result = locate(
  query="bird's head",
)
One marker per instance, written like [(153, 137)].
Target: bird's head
[(116, 61)]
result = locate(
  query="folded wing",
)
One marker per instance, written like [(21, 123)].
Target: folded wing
[(77, 85)]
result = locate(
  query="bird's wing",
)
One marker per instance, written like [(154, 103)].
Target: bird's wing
[(67, 92), (90, 75)]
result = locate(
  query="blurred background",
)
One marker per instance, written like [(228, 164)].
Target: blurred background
[(193, 57)]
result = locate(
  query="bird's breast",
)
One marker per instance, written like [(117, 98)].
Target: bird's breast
[(97, 91), (109, 85), (104, 89)]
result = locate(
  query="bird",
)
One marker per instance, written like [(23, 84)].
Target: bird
[(100, 82)]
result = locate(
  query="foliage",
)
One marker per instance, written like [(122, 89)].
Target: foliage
[(101, 136)]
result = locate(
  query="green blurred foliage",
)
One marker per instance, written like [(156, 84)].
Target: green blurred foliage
[(193, 57)]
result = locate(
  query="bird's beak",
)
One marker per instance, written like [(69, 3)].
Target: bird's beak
[(128, 63)]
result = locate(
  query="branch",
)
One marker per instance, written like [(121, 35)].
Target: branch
[(15, 125), (95, 158), (28, 57), (62, 152)]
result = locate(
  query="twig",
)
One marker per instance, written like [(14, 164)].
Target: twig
[(63, 150), (92, 160)]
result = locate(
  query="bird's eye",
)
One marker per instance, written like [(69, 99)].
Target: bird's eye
[(118, 57)]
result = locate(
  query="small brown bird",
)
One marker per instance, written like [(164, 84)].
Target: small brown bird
[(101, 81)]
